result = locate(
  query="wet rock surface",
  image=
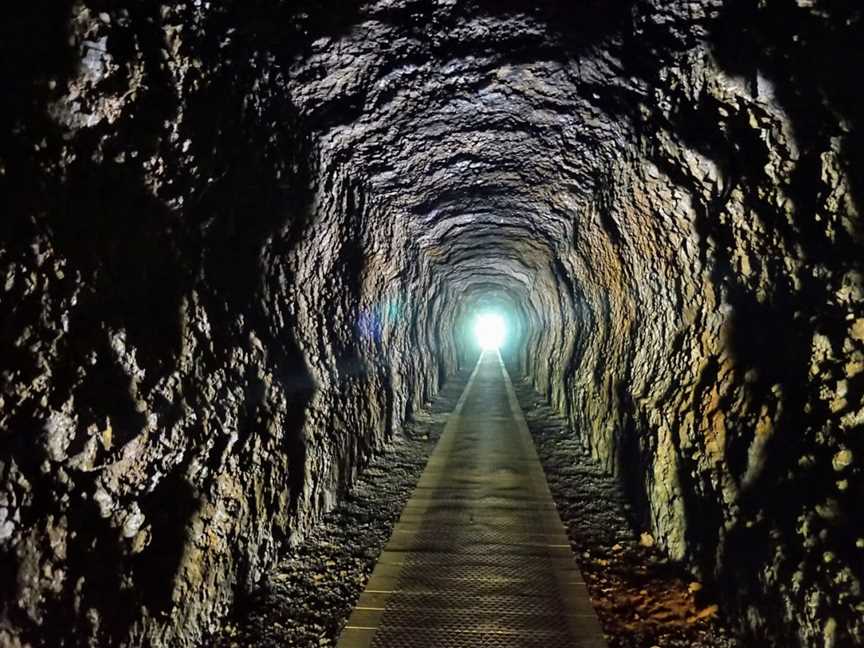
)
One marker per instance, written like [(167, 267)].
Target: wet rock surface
[(307, 597)]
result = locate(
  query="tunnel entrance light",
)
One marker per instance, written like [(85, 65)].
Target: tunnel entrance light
[(490, 331)]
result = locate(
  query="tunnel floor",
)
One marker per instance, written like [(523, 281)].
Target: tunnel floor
[(479, 556), (642, 599)]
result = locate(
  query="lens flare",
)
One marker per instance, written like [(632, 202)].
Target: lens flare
[(490, 330)]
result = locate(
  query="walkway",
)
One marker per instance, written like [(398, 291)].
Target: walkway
[(479, 557)]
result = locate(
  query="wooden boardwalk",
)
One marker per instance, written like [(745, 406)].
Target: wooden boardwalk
[(479, 557)]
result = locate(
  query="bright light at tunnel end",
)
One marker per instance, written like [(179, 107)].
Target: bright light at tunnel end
[(490, 331)]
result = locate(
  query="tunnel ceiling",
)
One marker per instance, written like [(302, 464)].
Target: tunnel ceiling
[(485, 127)]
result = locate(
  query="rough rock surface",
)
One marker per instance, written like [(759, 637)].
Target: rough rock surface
[(244, 241), (197, 352), (642, 598), (306, 599)]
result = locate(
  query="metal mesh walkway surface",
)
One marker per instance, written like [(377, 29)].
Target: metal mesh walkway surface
[(479, 557)]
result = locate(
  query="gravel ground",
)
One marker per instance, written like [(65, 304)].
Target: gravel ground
[(306, 598), (642, 599)]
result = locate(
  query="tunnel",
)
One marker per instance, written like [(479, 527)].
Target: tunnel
[(245, 250)]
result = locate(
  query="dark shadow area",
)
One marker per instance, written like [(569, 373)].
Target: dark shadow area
[(812, 59), (630, 459), (169, 508)]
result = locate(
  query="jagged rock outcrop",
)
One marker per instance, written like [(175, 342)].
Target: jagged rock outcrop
[(198, 350), (245, 243)]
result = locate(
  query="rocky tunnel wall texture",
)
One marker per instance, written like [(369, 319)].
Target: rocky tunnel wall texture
[(244, 243)]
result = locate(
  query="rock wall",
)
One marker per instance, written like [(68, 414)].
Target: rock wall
[(205, 332), (246, 243), (718, 364)]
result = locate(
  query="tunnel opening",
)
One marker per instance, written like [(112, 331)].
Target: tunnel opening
[(490, 318), (490, 331)]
